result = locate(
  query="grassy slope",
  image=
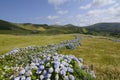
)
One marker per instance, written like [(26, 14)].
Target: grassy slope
[(105, 29), (101, 52), (7, 42), (11, 28), (31, 27)]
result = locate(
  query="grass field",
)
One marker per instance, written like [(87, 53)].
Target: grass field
[(102, 52), (8, 42)]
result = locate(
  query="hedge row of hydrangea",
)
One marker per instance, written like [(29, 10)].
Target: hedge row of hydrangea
[(44, 63)]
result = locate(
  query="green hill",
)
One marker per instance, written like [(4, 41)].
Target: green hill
[(11, 28), (105, 29), (28, 28), (51, 29)]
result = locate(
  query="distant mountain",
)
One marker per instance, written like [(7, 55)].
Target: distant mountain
[(70, 25), (11, 28), (106, 26), (112, 29), (4, 25), (106, 29), (29, 28)]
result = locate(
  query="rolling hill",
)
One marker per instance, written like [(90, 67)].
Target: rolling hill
[(105, 29), (110, 29), (28, 28), (11, 28)]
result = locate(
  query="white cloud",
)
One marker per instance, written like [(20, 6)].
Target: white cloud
[(58, 22), (102, 2), (85, 7), (113, 10), (38, 18), (35, 18), (98, 3), (61, 12), (96, 12), (57, 2), (100, 11), (52, 17), (110, 14)]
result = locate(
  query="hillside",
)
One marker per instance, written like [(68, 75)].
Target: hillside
[(52, 29), (11, 28), (105, 29), (29, 28)]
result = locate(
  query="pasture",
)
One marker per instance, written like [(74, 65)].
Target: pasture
[(103, 53)]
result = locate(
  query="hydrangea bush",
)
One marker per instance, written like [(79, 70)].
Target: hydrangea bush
[(44, 63)]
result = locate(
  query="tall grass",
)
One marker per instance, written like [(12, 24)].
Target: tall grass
[(103, 53), (8, 42)]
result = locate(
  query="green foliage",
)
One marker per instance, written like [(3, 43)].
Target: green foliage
[(80, 74), (11, 28), (102, 53), (84, 30)]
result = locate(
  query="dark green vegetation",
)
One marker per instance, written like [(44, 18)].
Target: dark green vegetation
[(10, 28), (105, 29), (28, 28)]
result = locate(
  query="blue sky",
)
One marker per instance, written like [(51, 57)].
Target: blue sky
[(77, 12)]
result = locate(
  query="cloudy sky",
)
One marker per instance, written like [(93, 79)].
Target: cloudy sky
[(77, 12)]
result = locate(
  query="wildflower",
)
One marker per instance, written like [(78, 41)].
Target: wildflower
[(28, 73), (57, 70), (23, 78), (50, 70), (28, 78), (81, 60), (56, 65), (32, 64), (66, 78), (48, 58), (22, 71), (27, 68), (64, 68), (71, 77), (55, 54), (48, 64), (41, 67), (41, 77), (92, 73), (48, 75), (62, 72), (70, 69), (38, 71), (44, 72), (17, 78), (56, 77)]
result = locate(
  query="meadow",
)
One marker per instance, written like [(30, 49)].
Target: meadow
[(102, 52)]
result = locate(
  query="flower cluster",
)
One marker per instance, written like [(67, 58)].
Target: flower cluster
[(50, 67), (117, 40), (43, 63), (69, 44)]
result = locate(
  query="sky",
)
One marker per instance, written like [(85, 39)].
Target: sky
[(61, 12)]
